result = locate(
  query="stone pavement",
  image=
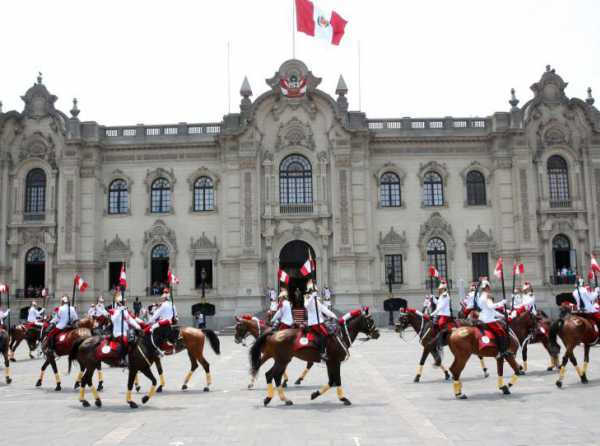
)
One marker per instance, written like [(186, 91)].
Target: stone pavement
[(388, 408)]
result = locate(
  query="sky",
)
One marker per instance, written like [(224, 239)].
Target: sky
[(159, 62)]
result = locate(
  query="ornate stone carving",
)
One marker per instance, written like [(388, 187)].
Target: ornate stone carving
[(152, 175), (39, 103), (390, 167), (476, 165), (203, 242), (525, 205), (39, 146), (202, 172), (297, 231), (344, 213), (479, 241), (116, 245), (293, 86), (247, 209), (550, 89), (435, 167), (116, 250), (69, 217), (203, 247), (393, 243), (295, 133), (160, 233), (436, 226)]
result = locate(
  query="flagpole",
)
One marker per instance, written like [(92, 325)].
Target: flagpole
[(359, 80), (228, 77), (293, 29), (514, 278)]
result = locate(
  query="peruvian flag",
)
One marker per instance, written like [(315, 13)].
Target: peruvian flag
[(283, 276), (433, 272), (172, 278), (123, 277), (590, 275), (498, 272), (3, 288), (594, 264), (309, 266), (518, 269), (319, 22), (81, 284)]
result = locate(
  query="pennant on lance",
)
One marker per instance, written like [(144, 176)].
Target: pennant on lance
[(594, 264), (283, 276), (498, 271), (309, 266), (518, 269), (433, 272), (123, 277), (81, 284), (172, 278)]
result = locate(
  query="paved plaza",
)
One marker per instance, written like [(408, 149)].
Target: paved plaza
[(388, 408)]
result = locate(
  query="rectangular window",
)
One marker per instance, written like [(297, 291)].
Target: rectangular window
[(480, 265), (205, 265), (393, 263), (114, 273)]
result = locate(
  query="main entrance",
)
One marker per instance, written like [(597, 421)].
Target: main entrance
[(291, 258), (35, 272)]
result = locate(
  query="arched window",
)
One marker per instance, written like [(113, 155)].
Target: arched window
[(118, 197), (295, 180), (436, 256), (475, 188), (160, 252), (562, 253), (204, 198), (433, 190), (35, 192), (161, 196), (558, 177), (35, 256), (389, 191)]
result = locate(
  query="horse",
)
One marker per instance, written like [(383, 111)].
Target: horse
[(464, 342), (31, 335), (141, 355), (282, 344), (531, 330), (63, 346), (573, 330), (423, 327), (4, 348), (255, 328)]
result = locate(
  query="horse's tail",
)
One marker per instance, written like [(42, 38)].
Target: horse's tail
[(4, 341), (213, 339), (555, 328), (73, 352), (255, 352)]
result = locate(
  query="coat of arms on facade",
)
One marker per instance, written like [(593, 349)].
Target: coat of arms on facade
[(293, 80)]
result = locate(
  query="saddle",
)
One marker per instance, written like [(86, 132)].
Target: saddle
[(109, 350)]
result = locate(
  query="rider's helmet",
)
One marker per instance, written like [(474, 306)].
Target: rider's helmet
[(33, 303), (442, 287), (64, 299), (283, 294), (527, 287), (100, 300), (166, 293)]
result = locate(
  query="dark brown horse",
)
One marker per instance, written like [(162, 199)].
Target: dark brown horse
[(423, 328), (4, 341), (464, 342), (21, 333), (253, 327), (281, 343), (573, 330), (531, 330)]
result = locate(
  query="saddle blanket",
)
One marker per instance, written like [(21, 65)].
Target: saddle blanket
[(486, 339), (304, 341), (108, 350)]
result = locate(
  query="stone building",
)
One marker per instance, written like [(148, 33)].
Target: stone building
[(296, 172)]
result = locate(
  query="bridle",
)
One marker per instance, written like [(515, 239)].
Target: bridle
[(419, 333)]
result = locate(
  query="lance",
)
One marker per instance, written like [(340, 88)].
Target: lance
[(8, 305), (72, 300), (580, 303), (170, 280), (514, 279), (504, 297), (475, 305)]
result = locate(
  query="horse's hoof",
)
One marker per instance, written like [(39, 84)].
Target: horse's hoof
[(250, 386), (145, 399), (417, 379), (314, 395), (289, 403), (159, 389), (85, 403), (298, 382), (549, 369), (584, 379), (13, 360), (184, 387), (346, 401), (132, 405), (9, 380), (98, 403), (266, 401), (38, 383), (284, 385), (461, 396), (138, 388), (58, 388), (446, 376), (206, 389), (100, 386), (486, 374), (505, 390), (559, 384), (76, 386), (520, 372)]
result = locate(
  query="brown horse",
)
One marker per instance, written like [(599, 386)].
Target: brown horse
[(253, 327), (282, 343), (4, 341), (531, 330), (573, 330), (423, 327), (464, 342), (19, 334), (64, 344)]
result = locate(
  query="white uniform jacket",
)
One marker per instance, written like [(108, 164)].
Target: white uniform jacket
[(34, 314), (97, 311), (443, 306), (528, 301), (313, 305), (61, 318), (284, 314), (3, 315), (469, 300), (127, 321), (164, 312), (587, 298), (487, 307)]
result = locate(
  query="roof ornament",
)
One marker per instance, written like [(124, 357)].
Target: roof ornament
[(75, 110), (342, 90), (0, 106), (245, 92), (39, 77), (513, 101), (590, 99)]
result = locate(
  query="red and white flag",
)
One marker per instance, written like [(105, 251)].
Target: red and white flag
[(498, 271), (309, 266), (3, 288), (319, 22), (433, 272), (81, 284), (44, 292), (283, 276), (123, 277), (594, 264), (518, 269), (172, 278), (590, 275)]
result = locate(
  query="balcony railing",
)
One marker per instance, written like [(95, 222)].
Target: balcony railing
[(161, 130), (427, 124), (569, 279), (560, 203), (296, 209)]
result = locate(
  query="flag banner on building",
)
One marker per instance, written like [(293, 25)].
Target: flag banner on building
[(518, 269), (498, 271), (309, 266), (172, 278), (319, 22), (81, 284), (594, 265), (123, 277), (283, 276), (433, 272)]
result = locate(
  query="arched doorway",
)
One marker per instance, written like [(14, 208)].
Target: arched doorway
[(159, 268), (291, 258), (564, 259), (35, 272)]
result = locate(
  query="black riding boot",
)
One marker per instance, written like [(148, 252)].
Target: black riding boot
[(323, 347), (502, 343)]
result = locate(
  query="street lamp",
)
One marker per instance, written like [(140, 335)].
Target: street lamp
[(390, 277), (203, 281)]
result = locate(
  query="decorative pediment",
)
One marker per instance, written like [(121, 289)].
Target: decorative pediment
[(433, 166), (203, 248), (116, 250), (393, 243), (152, 175), (436, 226), (116, 245), (160, 233), (117, 174), (550, 89), (295, 133), (480, 241), (39, 103), (202, 172), (38, 145), (293, 80), (203, 242), (390, 167)]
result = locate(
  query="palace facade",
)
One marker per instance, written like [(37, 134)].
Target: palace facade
[(226, 204)]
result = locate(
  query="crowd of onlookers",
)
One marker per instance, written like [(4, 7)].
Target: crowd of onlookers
[(565, 275), (34, 292), (157, 288)]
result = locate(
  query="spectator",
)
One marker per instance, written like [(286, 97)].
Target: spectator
[(137, 307)]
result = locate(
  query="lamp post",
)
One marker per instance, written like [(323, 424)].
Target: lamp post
[(390, 277), (203, 282)]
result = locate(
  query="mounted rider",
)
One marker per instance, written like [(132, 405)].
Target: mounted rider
[(163, 318), (273, 304), (97, 310), (317, 313), (64, 316), (283, 315), (586, 302), (443, 313), (122, 321), (35, 316), (468, 302), (327, 297), (493, 320), (527, 299), (3, 315)]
